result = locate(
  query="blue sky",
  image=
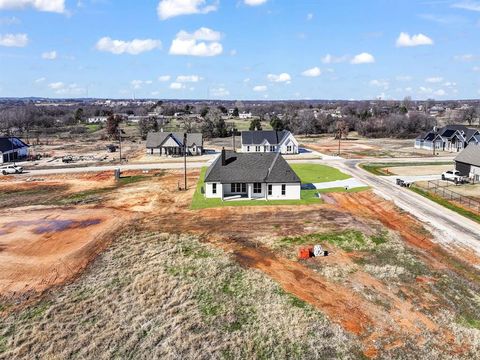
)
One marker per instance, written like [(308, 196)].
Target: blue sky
[(240, 49)]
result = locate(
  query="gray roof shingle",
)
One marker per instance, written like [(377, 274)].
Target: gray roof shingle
[(251, 167), (470, 155), (257, 137), (156, 139)]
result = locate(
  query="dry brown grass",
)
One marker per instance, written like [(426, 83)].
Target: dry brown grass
[(161, 296)]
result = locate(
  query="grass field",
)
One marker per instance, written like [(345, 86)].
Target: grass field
[(308, 173)]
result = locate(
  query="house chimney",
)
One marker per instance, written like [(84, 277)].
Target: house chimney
[(224, 157)]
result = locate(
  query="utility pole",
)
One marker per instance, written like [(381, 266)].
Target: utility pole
[(434, 139), (185, 158), (234, 133), (120, 140), (339, 139), (13, 152)]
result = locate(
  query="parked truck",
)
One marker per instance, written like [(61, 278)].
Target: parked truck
[(455, 176)]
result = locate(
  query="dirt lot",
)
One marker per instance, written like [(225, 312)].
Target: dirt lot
[(386, 289), (419, 170), (356, 147)]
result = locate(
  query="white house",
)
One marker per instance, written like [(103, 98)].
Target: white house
[(269, 141), (245, 115), (97, 119), (12, 149), (262, 176)]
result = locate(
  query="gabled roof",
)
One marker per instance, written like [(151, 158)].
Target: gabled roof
[(251, 167), (470, 155), (470, 133), (156, 139), (6, 143), (258, 137)]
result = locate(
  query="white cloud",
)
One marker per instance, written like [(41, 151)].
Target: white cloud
[(138, 84), (330, 59), (313, 72), (57, 6), (380, 83), (440, 92), (134, 47), (309, 16), (14, 40), (40, 80), (434, 80), (177, 86), (246, 80), (363, 58), (233, 52), (254, 2), (171, 8), (56, 85), (188, 78), (403, 78), (260, 88), (203, 42), (465, 57), (283, 77), (49, 55), (164, 78), (468, 5), (7, 21), (476, 68), (405, 40), (219, 92)]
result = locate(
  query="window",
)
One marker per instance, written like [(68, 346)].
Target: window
[(214, 188), (257, 188), (269, 189), (272, 148), (284, 189), (265, 148), (257, 148), (248, 148), (289, 148), (237, 187)]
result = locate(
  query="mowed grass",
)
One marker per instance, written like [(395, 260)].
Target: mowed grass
[(317, 173)]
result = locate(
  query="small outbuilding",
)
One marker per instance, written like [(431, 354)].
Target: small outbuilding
[(468, 162)]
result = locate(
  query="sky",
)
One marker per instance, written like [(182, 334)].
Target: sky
[(240, 49)]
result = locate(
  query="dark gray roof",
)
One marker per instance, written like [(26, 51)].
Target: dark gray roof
[(470, 155), (257, 137), (156, 139), (6, 143), (251, 167), (448, 132)]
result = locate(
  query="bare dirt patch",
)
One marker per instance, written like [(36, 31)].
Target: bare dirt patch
[(418, 170)]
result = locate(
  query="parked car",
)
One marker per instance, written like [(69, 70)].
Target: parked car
[(11, 169), (403, 183), (454, 175), (67, 159)]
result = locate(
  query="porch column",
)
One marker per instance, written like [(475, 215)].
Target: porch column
[(249, 190)]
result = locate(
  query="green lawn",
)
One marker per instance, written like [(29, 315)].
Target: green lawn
[(308, 173), (316, 173)]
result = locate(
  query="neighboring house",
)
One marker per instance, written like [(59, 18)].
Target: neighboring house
[(245, 115), (165, 143), (468, 162), (12, 149), (451, 138), (253, 176), (97, 120), (269, 141)]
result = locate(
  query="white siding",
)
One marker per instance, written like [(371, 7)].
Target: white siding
[(209, 190), (475, 173), (292, 192)]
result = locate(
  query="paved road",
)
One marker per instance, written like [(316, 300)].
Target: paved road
[(447, 225)]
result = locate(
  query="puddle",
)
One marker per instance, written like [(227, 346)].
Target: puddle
[(43, 226)]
